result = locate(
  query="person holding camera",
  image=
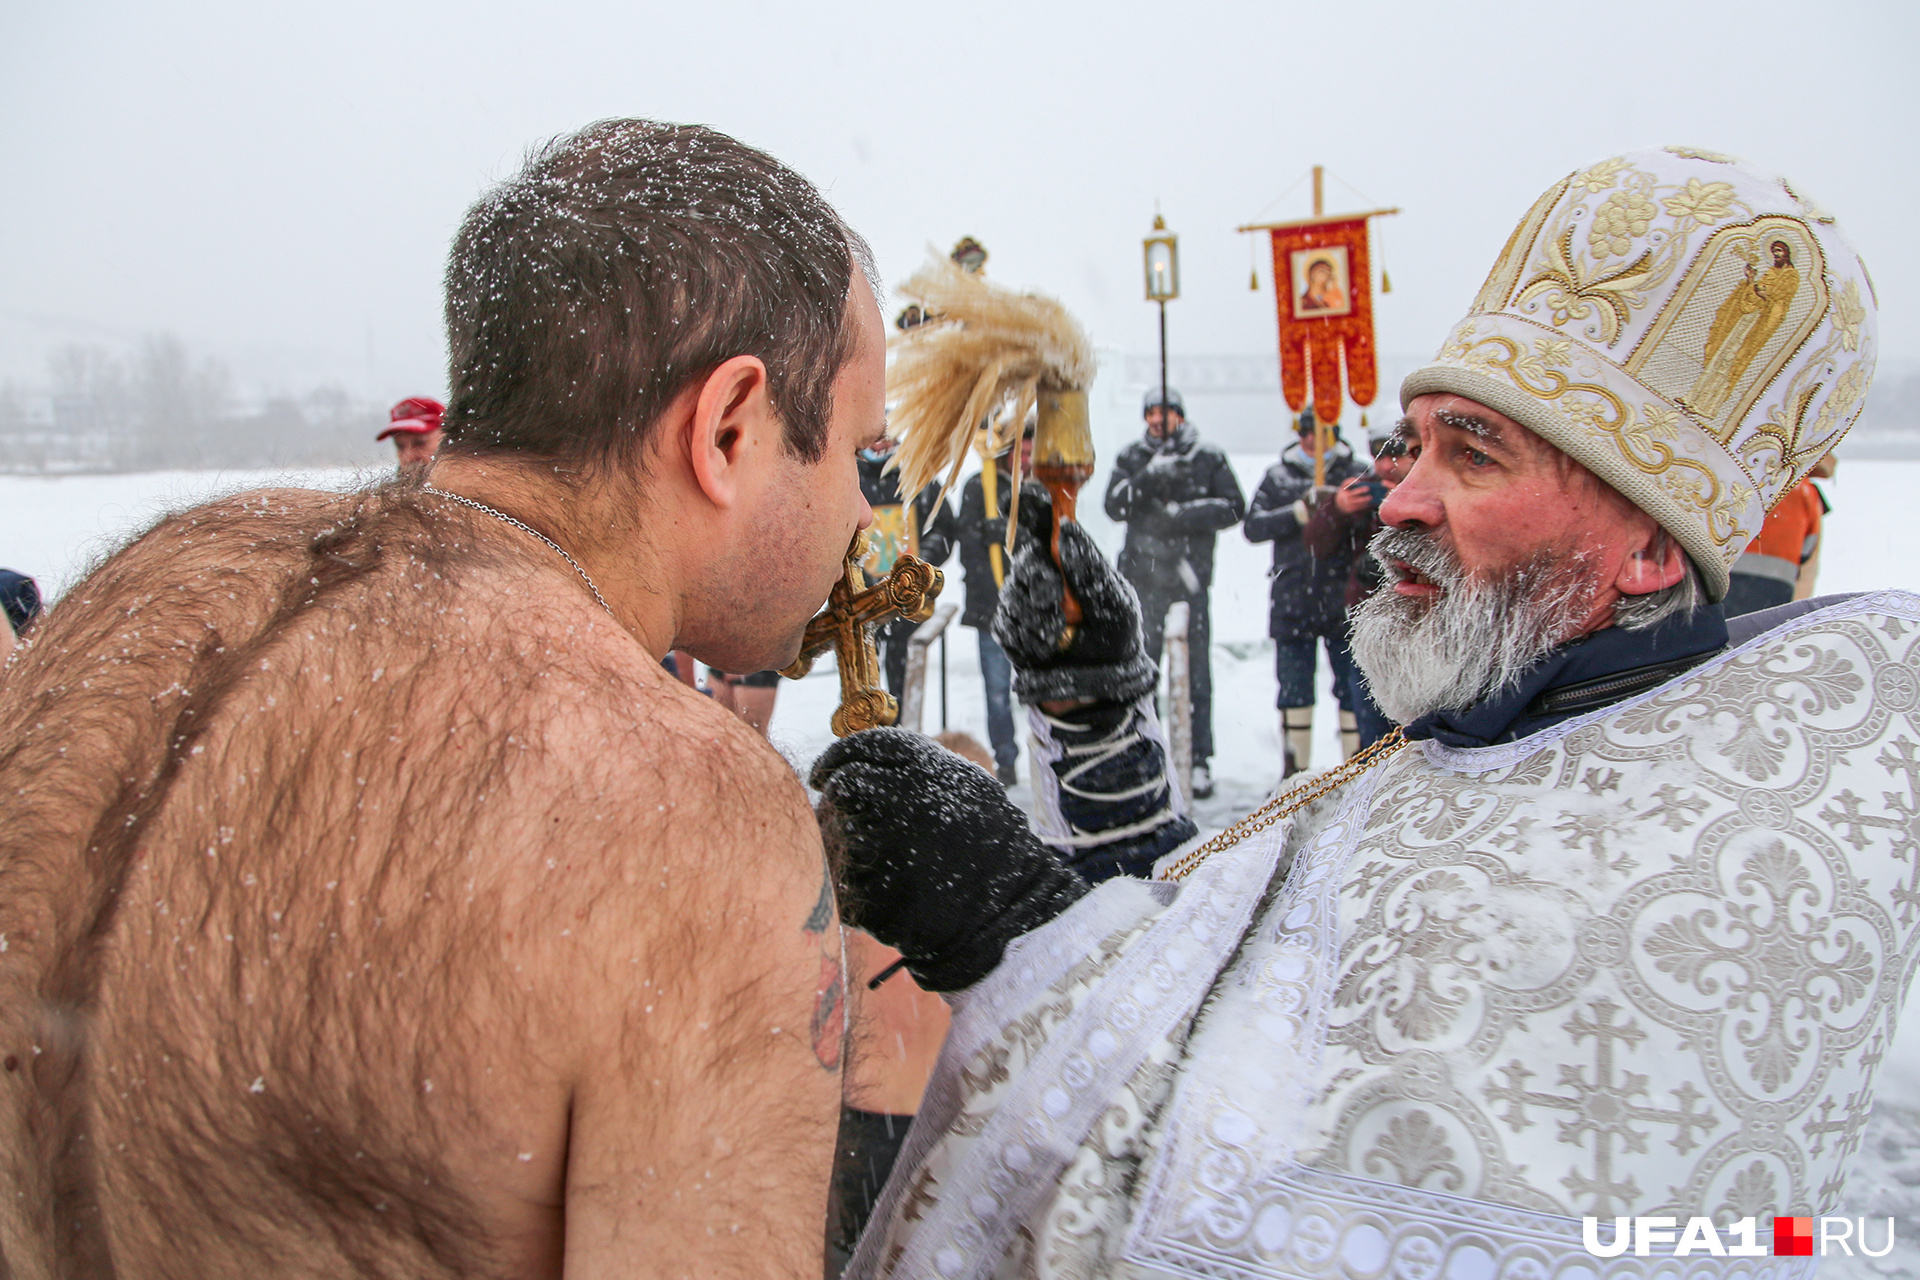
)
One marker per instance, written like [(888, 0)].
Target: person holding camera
[(1342, 527), (1308, 594)]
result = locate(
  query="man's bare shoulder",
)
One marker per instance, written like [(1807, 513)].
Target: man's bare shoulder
[(231, 562), (673, 813), (230, 531), (693, 976), (669, 770), (234, 527)]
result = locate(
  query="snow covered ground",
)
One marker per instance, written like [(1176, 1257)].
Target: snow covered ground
[(54, 527)]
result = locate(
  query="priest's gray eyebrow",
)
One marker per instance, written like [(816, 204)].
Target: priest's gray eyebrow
[(1472, 424)]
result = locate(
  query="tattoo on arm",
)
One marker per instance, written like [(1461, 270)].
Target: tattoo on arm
[(829, 1029), (822, 914)]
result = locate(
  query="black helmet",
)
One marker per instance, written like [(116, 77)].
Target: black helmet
[(1152, 401)]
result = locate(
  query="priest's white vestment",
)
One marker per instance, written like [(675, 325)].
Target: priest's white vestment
[(1645, 962)]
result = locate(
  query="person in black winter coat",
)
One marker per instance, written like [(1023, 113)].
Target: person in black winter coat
[(1345, 527), (1175, 493), (1309, 592), (983, 556), (926, 530)]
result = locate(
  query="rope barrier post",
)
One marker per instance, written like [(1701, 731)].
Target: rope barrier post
[(913, 694), (1180, 697)]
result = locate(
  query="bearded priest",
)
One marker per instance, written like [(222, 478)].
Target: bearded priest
[(1617, 930)]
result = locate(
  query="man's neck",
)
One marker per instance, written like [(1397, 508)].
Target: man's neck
[(595, 523)]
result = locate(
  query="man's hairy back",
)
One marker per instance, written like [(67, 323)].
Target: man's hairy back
[(349, 864)]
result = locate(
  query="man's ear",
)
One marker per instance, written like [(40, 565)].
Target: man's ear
[(1655, 566), (732, 427)]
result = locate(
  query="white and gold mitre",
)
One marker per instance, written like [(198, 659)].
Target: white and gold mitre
[(1693, 330)]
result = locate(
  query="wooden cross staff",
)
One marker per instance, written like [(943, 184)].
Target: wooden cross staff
[(846, 626)]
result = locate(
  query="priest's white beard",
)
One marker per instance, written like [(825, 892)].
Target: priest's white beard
[(1476, 637)]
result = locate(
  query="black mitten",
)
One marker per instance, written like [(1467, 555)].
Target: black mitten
[(935, 860), (1159, 478), (1106, 659)]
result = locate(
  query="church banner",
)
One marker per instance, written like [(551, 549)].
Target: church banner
[(1322, 280)]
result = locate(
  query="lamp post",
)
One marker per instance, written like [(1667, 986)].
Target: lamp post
[(1163, 285)]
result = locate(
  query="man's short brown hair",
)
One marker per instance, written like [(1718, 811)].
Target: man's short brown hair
[(623, 264)]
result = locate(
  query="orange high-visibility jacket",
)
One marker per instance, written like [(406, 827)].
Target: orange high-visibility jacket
[(1788, 539)]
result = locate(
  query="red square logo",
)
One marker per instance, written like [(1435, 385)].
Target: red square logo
[(1793, 1237)]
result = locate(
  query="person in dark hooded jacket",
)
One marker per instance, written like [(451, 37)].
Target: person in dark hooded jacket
[(925, 528), (1345, 527), (1175, 493), (981, 533), (1309, 592)]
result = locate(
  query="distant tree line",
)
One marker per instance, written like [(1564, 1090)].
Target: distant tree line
[(156, 408)]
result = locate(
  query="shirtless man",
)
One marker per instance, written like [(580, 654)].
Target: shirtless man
[(371, 900)]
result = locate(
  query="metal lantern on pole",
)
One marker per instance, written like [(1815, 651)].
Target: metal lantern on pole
[(1163, 285)]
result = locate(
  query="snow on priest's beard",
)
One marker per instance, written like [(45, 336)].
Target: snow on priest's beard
[(1479, 634)]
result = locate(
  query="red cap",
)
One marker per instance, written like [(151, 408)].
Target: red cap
[(415, 415)]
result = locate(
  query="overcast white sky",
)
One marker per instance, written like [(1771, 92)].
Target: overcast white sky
[(277, 184)]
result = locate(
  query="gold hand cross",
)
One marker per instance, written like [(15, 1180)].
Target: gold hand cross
[(846, 626)]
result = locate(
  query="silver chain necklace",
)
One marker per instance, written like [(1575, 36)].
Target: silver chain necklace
[(524, 528)]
